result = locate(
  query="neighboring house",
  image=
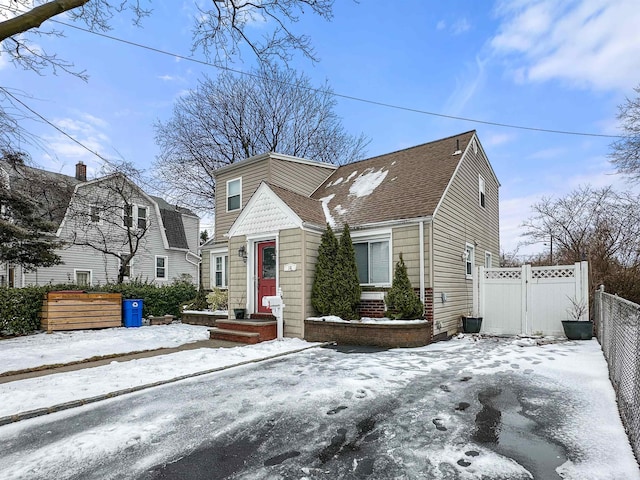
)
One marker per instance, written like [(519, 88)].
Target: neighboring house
[(98, 218), (435, 203)]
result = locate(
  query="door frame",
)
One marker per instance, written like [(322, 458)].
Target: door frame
[(252, 267)]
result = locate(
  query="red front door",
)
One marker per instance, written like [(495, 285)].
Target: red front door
[(267, 266)]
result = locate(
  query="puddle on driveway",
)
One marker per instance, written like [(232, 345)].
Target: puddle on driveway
[(501, 426)]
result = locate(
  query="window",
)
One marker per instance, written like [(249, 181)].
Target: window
[(128, 216), (234, 194), (135, 216), (142, 218), (83, 277), (220, 269), (481, 190), (373, 261), (487, 259), (469, 259), (128, 269), (161, 268), (95, 214)]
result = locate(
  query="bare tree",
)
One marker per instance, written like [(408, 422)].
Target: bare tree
[(235, 117), (111, 216), (625, 152), (599, 225), (221, 28)]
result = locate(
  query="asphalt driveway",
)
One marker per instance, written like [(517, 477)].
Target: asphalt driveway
[(498, 409)]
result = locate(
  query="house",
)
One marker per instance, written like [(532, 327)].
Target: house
[(435, 203), (102, 223)]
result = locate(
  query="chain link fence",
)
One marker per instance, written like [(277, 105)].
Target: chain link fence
[(617, 323)]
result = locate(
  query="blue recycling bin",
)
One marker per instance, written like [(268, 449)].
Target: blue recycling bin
[(132, 312)]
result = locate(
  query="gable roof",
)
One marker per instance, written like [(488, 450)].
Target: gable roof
[(308, 209), (51, 191), (400, 185)]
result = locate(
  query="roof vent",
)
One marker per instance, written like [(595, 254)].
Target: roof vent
[(458, 151)]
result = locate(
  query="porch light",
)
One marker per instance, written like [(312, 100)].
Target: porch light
[(242, 253)]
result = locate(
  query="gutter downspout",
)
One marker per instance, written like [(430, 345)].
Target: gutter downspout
[(421, 234), (197, 265)]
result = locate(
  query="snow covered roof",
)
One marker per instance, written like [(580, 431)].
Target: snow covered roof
[(400, 185)]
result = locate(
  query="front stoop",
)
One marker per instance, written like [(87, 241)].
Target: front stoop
[(244, 331)]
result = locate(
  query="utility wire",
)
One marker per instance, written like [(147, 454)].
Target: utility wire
[(346, 97), (76, 141)]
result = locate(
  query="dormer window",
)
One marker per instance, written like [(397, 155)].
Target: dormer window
[(234, 194)]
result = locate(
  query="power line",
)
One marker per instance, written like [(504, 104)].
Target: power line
[(74, 140), (344, 96)]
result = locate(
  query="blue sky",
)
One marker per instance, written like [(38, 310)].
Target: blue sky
[(536, 63)]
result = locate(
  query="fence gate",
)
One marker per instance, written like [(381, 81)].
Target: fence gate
[(529, 300)]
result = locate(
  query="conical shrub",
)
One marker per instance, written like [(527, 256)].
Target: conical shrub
[(323, 290), (346, 281), (402, 302)]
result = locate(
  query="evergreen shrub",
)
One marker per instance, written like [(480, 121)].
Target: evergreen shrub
[(402, 301)]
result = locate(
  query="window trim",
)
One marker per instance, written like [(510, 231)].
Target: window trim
[(165, 267), (375, 237), (131, 263), (135, 217), (84, 270), (470, 260), (98, 212), (212, 267), (146, 217), (227, 196), (482, 197), (488, 255)]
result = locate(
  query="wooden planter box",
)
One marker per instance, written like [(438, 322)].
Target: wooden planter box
[(78, 311), (391, 335)]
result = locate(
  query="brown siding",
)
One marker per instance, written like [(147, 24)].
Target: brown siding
[(237, 277), (460, 220), (312, 242), (406, 240), (290, 247), (251, 175), (298, 177), (205, 270)]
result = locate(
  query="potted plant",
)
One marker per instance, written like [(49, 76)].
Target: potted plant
[(240, 310), (577, 328), (471, 324)]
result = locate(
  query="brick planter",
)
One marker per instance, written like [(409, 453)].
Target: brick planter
[(392, 335), (208, 319)]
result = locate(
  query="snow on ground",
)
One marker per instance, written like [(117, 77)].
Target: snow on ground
[(562, 389), (49, 390), (65, 347)]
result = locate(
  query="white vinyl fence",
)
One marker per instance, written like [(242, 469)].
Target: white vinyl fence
[(529, 300)]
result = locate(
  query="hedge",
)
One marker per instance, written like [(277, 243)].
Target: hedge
[(20, 307)]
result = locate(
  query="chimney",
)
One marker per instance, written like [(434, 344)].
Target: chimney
[(81, 172)]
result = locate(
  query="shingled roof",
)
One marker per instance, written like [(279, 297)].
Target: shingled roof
[(308, 209), (51, 191), (405, 184)]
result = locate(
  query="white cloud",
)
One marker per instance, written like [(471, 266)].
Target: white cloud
[(62, 153), (460, 26), (586, 43), (497, 139), (441, 25)]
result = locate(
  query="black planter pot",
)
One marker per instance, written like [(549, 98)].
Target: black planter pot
[(471, 324), (239, 313), (577, 330)]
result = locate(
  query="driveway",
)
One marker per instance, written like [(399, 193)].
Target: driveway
[(489, 408)]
